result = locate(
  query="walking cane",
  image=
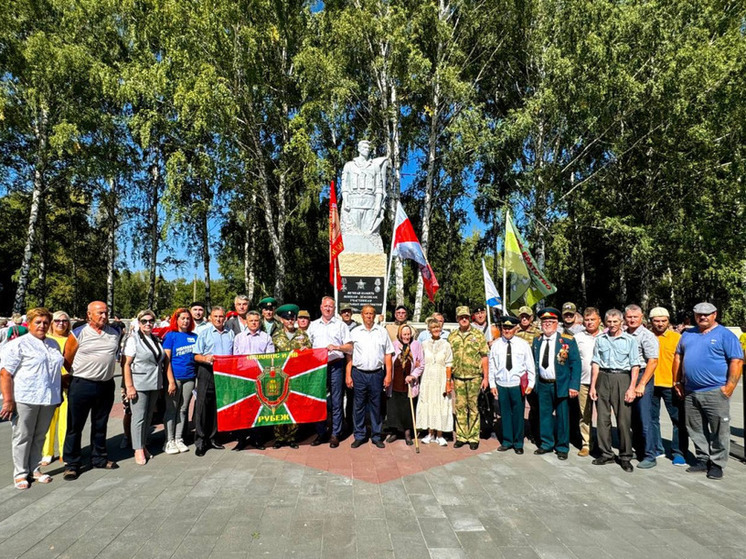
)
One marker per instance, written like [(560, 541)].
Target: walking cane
[(414, 423)]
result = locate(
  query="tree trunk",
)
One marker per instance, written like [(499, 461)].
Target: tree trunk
[(250, 252), (206, 256), (43, 256), (111, 253), (155, 178), (40, 131)]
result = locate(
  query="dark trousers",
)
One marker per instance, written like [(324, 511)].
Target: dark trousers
[(512, 406), (675, 408), (642, 424), (367, 394), (205, 407), (554, 416), (610, 389), (534, 423), (335, 386), (84, 397)]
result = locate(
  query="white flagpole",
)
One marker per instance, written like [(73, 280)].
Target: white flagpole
[(336, 290), (388, 270), (505, 268)]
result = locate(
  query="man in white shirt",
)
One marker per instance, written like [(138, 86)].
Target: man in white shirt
[(368, 373), (510, 359), (586, 341), (332, 333), (90, 359)]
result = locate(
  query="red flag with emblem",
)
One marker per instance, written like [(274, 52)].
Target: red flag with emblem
[(335, 239)]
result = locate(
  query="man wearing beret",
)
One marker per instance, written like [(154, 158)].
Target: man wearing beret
[(480, 322), (269, 323), (288, 339), (558, 363), (709, 360), (510, 359), (470, 374)]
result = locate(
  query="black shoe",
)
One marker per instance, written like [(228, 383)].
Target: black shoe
[(542, 451), (458, 444), (627, 466), (241, 444), (333, 442), (200, 451), (503, 448), (409, 441), (602, 461), (391, 438), (518, 450), (277, 445), (317, 441), (715, 472), (294, 445), (357, 443), (379, 444), (216, 446), (561, 455), (259, 446), (473, 446), (697, 468)]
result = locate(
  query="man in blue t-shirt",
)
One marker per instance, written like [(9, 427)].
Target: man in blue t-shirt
[(709, 359)]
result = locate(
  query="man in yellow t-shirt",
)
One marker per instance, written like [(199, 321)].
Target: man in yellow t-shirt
[(668, 339)]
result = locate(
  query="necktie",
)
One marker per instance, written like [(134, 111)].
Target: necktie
[(509, 357), (545, 357)]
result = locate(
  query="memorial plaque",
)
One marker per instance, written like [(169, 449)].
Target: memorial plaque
[(358, 291)]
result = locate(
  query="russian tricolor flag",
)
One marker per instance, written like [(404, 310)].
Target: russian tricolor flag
[(408, 247)]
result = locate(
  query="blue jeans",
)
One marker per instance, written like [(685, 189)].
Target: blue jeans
[(643, 438), (675, 408), (368, 388), (335, 385)]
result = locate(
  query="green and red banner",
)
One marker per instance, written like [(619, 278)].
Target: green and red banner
[(270, 389)]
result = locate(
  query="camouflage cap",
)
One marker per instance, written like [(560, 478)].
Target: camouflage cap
[(569, 308), (462, 311), (525, 309), (304, 314)]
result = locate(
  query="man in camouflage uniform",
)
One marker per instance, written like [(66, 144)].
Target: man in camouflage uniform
[(288, 339), (470, 373)]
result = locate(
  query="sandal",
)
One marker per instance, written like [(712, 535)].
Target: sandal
[(21, 483), (140, 458), (46, 460), (42, 478)]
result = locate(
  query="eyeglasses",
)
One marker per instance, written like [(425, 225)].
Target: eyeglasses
[(147, 321), (61, 321)]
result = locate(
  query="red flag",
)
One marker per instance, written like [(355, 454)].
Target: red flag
[(407, 246), (335, 238)]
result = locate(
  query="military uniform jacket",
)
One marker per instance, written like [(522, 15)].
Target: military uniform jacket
[(300, 340), (567, 364), (468, 350), (530, 334)]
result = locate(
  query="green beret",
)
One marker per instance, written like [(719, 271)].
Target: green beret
[(267, 302), (288, 312), (509, 321)]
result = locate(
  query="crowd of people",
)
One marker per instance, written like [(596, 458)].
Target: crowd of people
[(541, 375)]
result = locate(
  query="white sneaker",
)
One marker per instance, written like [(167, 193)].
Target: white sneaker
[(171, 448), (181, 446), (427, 439), (441, 441)]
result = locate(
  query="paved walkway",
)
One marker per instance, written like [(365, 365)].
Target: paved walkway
[(370, 503)]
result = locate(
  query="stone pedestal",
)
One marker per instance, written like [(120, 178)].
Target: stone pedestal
[(363, 279)]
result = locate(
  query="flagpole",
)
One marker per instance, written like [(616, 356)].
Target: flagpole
[(336, 290), (388, 271), (505, 268)]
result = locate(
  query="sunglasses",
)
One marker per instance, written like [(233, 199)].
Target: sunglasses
[(147, 321), (63, 321)]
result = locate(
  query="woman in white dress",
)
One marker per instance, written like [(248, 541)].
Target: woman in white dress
[(434, 410)]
